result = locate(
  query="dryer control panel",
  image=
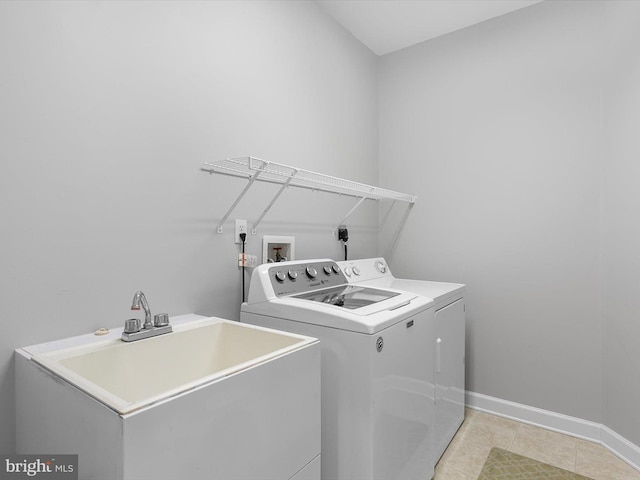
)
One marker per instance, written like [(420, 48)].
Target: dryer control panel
[(365, 269), (289, 278)]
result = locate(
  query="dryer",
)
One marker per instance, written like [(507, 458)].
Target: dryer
[(377, 377), (449, 347)]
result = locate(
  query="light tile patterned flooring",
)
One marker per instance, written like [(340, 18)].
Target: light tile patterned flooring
[(465, 456)]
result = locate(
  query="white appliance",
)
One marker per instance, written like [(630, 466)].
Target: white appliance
[(449, 347), (377, 377)]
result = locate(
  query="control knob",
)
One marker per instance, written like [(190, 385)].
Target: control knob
[(356, 271), (327, 269), (292, 274), (382, 268), (311, 272), (280, 276)]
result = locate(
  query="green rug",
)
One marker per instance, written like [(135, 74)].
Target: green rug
[(503, 465)]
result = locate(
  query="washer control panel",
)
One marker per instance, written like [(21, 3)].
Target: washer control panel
[(289, 279)]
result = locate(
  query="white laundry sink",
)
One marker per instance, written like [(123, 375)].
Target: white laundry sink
[(130, 375), (214, 398)]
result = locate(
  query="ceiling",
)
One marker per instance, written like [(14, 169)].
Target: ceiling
[(389, 25)]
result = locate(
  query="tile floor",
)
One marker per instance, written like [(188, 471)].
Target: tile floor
[(465, 456)]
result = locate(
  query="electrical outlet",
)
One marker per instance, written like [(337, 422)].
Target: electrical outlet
[(241, 227), (343, 233)]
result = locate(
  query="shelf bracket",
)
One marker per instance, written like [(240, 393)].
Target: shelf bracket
[(386, 216), (334, 232), (277, 195), (253, 178), (392, 246)]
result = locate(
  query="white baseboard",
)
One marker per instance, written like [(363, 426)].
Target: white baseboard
[(558, 422), (620, 446)]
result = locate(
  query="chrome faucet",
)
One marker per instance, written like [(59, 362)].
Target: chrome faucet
[(132, 328), (140, 299)]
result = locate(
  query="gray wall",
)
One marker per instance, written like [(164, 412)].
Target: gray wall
[(497, 129), (520, 137), (621, 233), (107, 111)]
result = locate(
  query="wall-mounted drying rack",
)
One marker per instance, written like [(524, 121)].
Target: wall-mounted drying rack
[(255, 169)]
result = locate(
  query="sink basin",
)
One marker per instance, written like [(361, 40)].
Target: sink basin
[(128, 376)]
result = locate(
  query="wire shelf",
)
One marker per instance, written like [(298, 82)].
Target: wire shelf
[(255, 169), (247, 167)]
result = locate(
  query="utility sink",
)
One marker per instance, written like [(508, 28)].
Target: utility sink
[(214, 399), (128, 376)]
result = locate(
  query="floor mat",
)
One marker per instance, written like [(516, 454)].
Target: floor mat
[(504, 465)]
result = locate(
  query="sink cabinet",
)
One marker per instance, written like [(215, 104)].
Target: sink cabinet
[(259, 422)]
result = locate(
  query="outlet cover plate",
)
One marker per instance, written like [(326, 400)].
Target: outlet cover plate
[(241, 227)]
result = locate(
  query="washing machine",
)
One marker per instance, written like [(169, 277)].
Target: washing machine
[(449, 346), (377, 377)]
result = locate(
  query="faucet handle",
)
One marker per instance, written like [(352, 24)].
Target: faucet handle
[(161, 319), (132, 325)]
